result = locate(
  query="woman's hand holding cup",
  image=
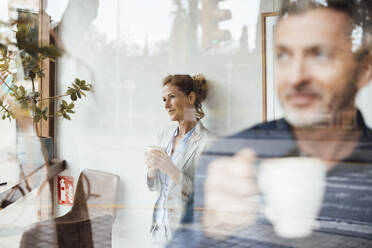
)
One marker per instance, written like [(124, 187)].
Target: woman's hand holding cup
[(151, 169), (157, 158)]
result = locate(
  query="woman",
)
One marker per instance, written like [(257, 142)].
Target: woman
[(171, 172)]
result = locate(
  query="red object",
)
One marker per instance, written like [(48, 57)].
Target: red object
[(65, 187)]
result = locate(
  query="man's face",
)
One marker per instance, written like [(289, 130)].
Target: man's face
[(316, 70)]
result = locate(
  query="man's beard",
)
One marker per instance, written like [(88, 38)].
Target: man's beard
[(321, 115), (304, 119)]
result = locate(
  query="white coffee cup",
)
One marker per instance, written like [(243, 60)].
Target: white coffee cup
[(293, 189), (155, 148)]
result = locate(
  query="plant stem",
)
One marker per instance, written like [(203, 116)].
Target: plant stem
[(5, 109), (36, 129), (33, 85), (2, 79), (34, 101), (52, 97)]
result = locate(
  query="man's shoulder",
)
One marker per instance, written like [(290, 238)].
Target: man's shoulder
[(265, 138), (272, 129)]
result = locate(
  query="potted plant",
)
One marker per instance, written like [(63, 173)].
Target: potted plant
[(21, 63)]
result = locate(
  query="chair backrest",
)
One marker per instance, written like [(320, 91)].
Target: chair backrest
[(88, 223), (96, 194)]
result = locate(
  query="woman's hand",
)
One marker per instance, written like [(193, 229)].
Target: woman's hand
[(155, 159)]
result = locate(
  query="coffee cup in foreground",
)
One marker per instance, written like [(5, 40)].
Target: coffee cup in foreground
[(293, 189)]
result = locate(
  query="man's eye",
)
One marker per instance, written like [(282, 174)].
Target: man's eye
[(322, 55), (282, 56), (164, 99)]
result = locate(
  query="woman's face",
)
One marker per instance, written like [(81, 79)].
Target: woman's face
[(177, 104)]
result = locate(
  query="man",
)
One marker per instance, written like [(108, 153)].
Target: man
[(323, 58)]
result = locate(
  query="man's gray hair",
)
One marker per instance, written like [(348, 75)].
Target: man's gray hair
[(359, 11)]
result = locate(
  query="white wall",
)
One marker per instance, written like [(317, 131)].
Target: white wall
[(125, 48)]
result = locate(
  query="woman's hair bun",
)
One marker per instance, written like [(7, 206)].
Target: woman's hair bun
[(201, 87)]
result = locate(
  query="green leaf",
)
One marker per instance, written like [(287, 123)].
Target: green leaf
[(66, 116), (37, 110), (32, 74), (85, 88), (4, 66), (37, 118), (74, 97), (22, 90)]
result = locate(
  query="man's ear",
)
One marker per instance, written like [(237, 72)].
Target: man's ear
[(365, 74), (192, 97)]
